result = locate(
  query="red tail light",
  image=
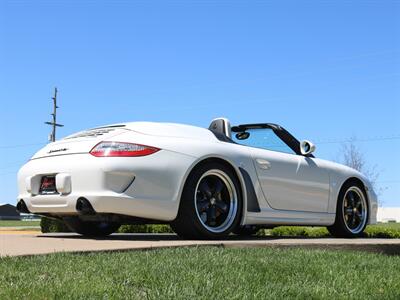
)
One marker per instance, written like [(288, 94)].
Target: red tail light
[(118, 149)]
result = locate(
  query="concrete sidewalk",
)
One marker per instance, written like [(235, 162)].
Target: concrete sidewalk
[(31, 243)]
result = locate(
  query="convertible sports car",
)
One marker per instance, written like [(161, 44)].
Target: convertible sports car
[(205, 183)]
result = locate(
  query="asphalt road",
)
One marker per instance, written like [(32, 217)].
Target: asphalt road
[(20, 243)]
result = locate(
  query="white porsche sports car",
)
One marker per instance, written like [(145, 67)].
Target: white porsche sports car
[(206, 183)]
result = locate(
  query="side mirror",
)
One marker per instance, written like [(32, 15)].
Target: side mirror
[(242, 135), (306, 147)]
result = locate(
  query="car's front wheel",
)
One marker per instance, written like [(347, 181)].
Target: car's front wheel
[(351, 212), (93, 229), (211, 203)]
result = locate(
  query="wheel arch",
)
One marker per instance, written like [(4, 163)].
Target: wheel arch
[(228, 164), (340, 228), (354, 179)]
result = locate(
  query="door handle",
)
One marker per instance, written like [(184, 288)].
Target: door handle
[(263, 164)]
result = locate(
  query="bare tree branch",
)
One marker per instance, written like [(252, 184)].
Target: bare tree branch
[(354, 158)]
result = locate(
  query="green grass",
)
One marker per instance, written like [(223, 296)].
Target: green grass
[(380, 230), (6, 223), (203, 273)]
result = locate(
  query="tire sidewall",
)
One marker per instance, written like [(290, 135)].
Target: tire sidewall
[(340, 223), (188, 201)]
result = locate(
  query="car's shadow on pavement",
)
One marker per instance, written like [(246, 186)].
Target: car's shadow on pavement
[(149, 237), (234, 241)]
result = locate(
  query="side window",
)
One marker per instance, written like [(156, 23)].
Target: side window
[(264, 138)]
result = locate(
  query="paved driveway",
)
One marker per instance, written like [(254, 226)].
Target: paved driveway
[(13, 243)]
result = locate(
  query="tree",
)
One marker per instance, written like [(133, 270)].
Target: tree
[(354, 158)]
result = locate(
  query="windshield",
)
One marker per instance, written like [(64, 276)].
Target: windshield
[(264, 138)]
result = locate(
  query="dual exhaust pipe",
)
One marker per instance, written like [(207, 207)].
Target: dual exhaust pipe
[(22, 208), (83, 206)]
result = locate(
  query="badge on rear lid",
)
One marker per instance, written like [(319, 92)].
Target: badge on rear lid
[(57, 150)]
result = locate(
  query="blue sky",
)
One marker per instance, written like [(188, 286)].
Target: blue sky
[(325, 70)]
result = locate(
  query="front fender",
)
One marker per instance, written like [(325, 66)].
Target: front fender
[(338, 179)]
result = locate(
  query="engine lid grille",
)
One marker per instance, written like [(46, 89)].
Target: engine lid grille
[(81, 142), (89, 133)]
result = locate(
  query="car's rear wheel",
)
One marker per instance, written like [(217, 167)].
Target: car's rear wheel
[(211, 203), (351, 212), (94, 229)]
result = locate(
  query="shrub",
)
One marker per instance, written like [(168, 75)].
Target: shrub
[(148, 228), (372, 231), (52, 225), (379, 231), (295, 231)]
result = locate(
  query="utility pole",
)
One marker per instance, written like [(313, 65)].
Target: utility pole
[(54, 124)]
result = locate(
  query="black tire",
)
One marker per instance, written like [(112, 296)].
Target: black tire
[(92, 229), (341, 228), (247, 230), (189, 224)]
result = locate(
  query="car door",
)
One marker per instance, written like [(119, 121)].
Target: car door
[(289, 181)]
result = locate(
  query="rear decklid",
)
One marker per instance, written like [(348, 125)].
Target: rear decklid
[(171, 130), (81, 142)]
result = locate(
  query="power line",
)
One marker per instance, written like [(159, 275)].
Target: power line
[(7, 173), (13, 165), (388, 181), (371, 139), (21, 146), (320, 142)]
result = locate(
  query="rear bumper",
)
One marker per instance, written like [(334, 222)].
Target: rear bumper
[(102, 203), (144, 187)]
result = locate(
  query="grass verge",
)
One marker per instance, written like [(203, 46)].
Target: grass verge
[(381, 230), (12, 223), (203, 273)]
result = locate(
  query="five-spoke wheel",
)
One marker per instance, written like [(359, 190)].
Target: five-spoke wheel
[(215, 200), (211, 203), (352, 211)]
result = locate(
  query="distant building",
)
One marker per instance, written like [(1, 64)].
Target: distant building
[(388, 214), (29, 217), (8, 212)]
